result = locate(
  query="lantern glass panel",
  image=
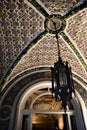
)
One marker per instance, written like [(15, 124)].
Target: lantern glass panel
[(62, 78)]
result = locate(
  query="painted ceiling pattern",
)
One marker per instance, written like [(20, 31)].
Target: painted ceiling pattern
[(19, 24), (26, 43), (44, 53), (76, 30), (57, 6)]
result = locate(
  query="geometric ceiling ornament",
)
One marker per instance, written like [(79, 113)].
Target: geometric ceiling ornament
[(76, 31), (19, 24), (26, 24), (57, 6), (44, 54), (50, 25)]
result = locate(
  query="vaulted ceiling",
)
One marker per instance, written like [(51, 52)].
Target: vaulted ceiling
[(27, 36)]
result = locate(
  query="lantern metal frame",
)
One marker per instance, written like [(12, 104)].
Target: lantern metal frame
[(62, 80)]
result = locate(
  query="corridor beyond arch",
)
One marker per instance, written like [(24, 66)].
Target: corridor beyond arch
[(17, 92), (29, 112)]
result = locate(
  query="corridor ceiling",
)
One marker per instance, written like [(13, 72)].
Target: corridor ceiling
[(27, 36)]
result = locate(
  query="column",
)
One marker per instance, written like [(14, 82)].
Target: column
[(29, 121)]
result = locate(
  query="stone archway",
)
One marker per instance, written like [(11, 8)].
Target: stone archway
[(14, 90), (30, 111)]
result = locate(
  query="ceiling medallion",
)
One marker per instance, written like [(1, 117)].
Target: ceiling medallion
[(51, 21)]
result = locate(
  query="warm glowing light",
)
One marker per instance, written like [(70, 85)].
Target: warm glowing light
[(60, 122)]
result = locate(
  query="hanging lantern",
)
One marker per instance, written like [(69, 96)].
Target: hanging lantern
[(62, 81)]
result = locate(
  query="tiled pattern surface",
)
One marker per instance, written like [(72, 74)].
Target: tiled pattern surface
[(19, 23), (77, 31), (58, 6), (44, 53)]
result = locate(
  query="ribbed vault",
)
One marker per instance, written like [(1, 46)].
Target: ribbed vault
[(26, 42), (28, 47), (27, 39)]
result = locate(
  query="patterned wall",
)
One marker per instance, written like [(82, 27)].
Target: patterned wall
[(44, 53), (19, 24), (21, 21), (77, 31), (58, 6)]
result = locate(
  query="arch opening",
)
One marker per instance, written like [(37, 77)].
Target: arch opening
[(37, 103)]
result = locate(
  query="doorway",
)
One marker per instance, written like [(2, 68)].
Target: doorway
[(40, 102), (50, 122)]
